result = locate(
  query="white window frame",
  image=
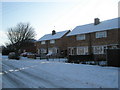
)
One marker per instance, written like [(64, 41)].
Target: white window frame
[(42, 42), (38, 51), (99, 49), (43, 50), (53, 50), (80, 37), (101, 34), (114, 47), (82, 50), (71, 50), (52, 41), (49, 50)]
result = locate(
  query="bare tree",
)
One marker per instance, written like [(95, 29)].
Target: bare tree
[(23, 32)]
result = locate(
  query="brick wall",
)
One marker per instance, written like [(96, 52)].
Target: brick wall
[(60, 43), (113, 37)]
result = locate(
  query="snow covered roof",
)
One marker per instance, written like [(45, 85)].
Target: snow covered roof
[(104, 25), (55, 36)]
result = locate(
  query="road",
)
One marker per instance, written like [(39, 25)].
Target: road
[(16, 76), (30, 73)]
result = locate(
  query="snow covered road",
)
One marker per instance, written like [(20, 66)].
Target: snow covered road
[(30, 73), (17, 76)]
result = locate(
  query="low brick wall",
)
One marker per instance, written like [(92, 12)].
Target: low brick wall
[(31, 56), (101, 57), (79, 58)]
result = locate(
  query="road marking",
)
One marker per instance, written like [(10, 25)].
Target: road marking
[(16, 70), (11, 70), (1, 73)]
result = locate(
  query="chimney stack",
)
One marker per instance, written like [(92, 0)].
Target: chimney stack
[(53, 32), (96, 21)]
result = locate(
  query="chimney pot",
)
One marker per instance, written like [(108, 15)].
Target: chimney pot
[(53, 32), (96, 21)]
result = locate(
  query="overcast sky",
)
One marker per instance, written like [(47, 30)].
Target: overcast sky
[(65, 15)]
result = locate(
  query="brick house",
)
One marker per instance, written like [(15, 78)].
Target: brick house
[(94, 38), (54, 43)]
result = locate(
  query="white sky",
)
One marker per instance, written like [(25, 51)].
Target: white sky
[(63, 14)]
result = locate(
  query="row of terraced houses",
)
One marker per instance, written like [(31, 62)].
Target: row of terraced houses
[(93, 38)]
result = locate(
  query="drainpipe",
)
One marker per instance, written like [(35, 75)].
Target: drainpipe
[(47, 48), (90, 46)]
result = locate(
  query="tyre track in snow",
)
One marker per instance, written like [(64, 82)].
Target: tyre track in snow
[(10, 77), (13, 77), (44, 83), (17, 81)]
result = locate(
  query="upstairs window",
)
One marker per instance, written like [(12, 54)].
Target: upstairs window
[(42, 42), (52, 41), (101, 34), (80, 37)]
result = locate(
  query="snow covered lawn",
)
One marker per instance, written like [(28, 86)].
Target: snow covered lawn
[(31, 73)]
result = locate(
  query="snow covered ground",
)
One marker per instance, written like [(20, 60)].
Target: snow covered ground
[(36, 73)]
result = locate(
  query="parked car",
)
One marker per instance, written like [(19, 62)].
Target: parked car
[(13, 55), (24, 54), (37, 55)]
